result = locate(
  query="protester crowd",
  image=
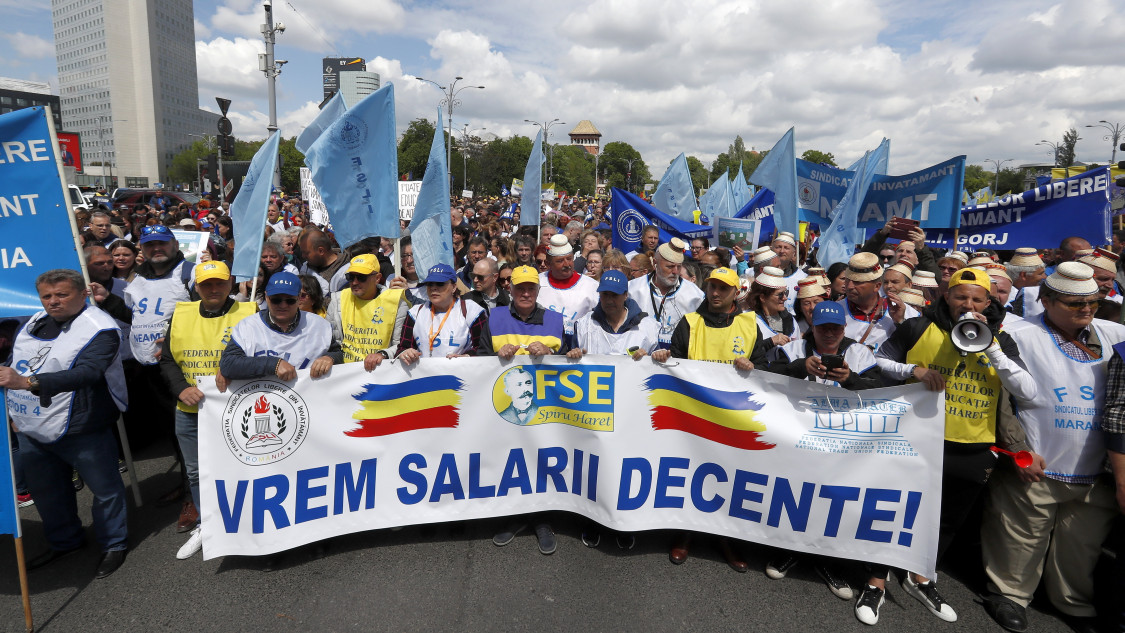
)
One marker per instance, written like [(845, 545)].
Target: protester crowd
[(885, 317)]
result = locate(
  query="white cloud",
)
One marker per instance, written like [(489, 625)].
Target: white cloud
[(201, 30), (229, 68), (318, 30), (30, 46), (1078, 33)]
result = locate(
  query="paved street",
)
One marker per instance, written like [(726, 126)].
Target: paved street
[(434, 579)]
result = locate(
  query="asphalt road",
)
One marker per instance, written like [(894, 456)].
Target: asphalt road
[(446, 578)]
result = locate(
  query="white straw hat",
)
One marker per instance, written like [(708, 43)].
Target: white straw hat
[(1073, 278), (810, 287), (923, 279), (864, 267), (771, 277), (912, 296)]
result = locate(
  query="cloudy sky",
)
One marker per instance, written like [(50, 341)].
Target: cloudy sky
[(940, 78)]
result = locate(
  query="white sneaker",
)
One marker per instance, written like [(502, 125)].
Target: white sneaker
[(928, 595), (193, 545), (867, 607)]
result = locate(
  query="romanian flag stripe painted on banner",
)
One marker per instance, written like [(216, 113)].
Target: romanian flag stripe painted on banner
[(724, 417), (425, 403)]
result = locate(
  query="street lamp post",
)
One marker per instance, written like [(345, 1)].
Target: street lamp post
[(997, 164), (546, 127), (629, 174), (1116, 131), (270, 66), (466, 134), (1055, 149), (449, 102)]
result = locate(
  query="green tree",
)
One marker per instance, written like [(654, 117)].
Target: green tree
[(574, 169), (1011, 180), (1065, 156), (183, 168), (819, 157), (736, 154), (502, 160), (414, 148), (699, 175), (977, 178), (615, 157), (291, 161)]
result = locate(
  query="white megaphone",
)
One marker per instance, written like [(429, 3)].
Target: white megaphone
[(971, 335)]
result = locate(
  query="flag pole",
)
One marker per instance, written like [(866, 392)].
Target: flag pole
[(956, 233), (21, 563)]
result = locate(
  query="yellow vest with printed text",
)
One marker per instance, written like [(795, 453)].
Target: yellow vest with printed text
[(197, 343), (722, 345), (367, 325), (972, 386)]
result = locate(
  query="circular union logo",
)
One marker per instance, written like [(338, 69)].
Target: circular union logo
[(806, 193), (265, 422), (630, 224), (352, 133)]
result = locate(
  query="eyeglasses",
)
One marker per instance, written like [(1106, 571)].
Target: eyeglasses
[(482, 277), (280, 299), (948, 269), (505, 280), (156, 229), (1078, 306), (361, 278)]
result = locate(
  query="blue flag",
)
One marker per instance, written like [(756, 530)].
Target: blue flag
[(354, 165), (837, 244), (39, 227), (531, 207), (331, 111), (248, 211), (675, 195), (9, 510), (740, 189), (431, 229), (718, 201), (778, 173), (631, 214)]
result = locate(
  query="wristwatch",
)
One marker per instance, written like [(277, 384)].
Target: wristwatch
[(33, 384)]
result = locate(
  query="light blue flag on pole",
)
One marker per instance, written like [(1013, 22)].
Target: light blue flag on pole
[(431, 229), (354, 165), (531, 207), (331, 111), (675, 195), (740, 188), (719, 200), (778, 173), (9, 510), (837, 244), (248, 211)]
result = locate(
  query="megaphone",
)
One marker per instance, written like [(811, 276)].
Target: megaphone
[(971, 335)]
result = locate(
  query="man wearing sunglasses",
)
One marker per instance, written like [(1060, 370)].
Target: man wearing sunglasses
[(921, 349), (280, 340), (1051, 518), (367, 318), (486, 289)]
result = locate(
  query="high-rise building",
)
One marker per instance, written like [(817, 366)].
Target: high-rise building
[(128, 84), (357, 85), (16, 94)]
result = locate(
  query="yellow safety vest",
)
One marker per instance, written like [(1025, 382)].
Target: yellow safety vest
[(722, 344), (368, 325), (972, 391), (197, 343)]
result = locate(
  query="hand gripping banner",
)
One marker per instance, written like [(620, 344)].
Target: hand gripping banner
[(633, 445)]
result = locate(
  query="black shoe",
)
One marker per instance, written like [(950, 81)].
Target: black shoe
[(110, 562), (837, 585), (50, 556), (779, 567), (626, 541), (591, 538), (1007, 614)]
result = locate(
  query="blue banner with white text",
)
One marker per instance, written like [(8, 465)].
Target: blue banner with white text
[(33, 205), (630, 215), (1077, 206)]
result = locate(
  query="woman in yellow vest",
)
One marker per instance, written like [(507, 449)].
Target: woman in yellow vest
[(197, 334), (718, 332), (367, 318), (922, 350)]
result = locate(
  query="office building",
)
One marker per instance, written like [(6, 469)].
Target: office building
[(16, 94)]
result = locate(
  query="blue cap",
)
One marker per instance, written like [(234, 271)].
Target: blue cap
[(283, 283), (614, 281), (828, 313), (439, 274), (156, 233)]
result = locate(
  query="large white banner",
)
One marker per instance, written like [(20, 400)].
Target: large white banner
[(318, 212), (408, 197), (632, 445)]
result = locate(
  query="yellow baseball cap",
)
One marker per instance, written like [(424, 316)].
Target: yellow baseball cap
[(725, 275), (972, 277), (211, 270), (524, 274), (365, 264)]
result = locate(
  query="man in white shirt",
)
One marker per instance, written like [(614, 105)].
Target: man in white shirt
[(663, 294), (562, 289)]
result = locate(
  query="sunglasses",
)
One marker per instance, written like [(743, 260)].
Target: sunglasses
[(280, 299), (361, 278), (156, 229), (483, 277), (1078, 306)]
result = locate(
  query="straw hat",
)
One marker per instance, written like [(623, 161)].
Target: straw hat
[(912, 296), (787, 237), (905, 268), (672, 250), (771, 277), (1073, 278), (762, 255), (864, 267), (818, 272), (958, 255), (1026, 258), (1101, 258), (924, 279), (980, 261), (560, 246), (997, 270), (810, 287)]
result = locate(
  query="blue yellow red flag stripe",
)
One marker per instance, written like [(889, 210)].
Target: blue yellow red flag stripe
[(725, 417), (423, 403)]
